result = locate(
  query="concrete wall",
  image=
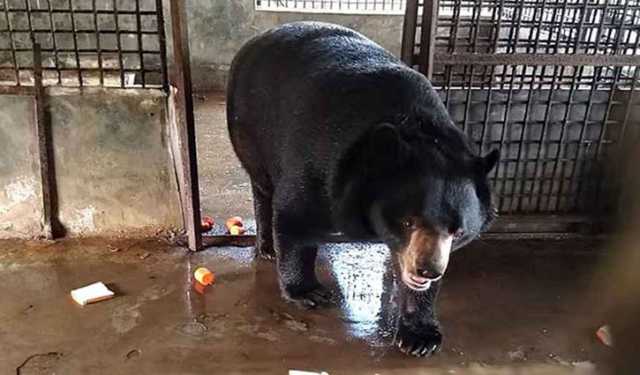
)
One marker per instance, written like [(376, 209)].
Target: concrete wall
[(113, 168), (219, 28), (19, 187)]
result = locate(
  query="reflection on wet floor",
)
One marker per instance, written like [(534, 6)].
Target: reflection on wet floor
[(158, 322), (364, 279)]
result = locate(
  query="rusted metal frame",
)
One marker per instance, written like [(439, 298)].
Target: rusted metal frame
[(250, 240), (603, 130), (558, 38), (82, 31), (535, 46), (513, 38), (540, 161), (609, 31), (162, 43), (581, 149), (53, 31), (473, 39), (32, 35), (622, 138), (632, 91), (104, 50), (537, 39), (489, 46), (453, 32), (600, 30), (496, 41), (628, 38), (97, 34), (14, 60), (428, 37), (85, 11), (575, 160), (487, 111), (507, 110), (75, 42), (563, 129), (561, 77), (545, 126), (576, 45), (186, 125), (523, 76), (601, 135), (116, 14), (409, 32), (507, 146), (475, 26), (44, 155), (139, 39), (522, 146), (547, 236), (536, 59), (590, 30), (581, 139), (467, 104)]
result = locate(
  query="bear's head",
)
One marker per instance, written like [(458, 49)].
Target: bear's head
[(425, 194)]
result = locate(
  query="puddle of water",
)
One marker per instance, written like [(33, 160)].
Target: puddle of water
[(364, 278)]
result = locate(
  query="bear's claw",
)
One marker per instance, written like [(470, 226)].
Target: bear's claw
[(420, 343), (265, 252), (317, 297)]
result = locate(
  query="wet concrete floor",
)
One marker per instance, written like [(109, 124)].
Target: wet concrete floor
[(225, 189), (520, 307)]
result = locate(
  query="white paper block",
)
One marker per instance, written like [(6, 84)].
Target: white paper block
[(91, 293)]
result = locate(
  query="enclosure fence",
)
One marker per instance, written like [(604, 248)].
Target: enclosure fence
[(108, 43), (334, 6), (551, 83)]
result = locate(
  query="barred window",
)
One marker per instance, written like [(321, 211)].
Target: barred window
[(334, 6)]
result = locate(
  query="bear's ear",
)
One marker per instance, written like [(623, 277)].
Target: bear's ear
[(385, 147), (490, 160)]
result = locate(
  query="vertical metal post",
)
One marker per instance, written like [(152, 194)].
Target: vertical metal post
[(163, 45), (44, 156), (186, 124), (409, 31), (428, 37)]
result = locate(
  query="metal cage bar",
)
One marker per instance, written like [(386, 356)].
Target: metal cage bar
[(551, 83), (84, 43)]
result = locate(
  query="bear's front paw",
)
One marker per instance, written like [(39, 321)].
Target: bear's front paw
[(419, 341), (265, 252), (309, 298)]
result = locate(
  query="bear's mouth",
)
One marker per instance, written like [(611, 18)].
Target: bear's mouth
[(419, 284)]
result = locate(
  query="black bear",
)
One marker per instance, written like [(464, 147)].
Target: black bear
[(339, 136)]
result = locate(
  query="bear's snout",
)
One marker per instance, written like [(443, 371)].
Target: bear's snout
[(425, 258)]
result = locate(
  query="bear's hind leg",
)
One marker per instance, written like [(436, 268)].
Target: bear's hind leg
[(264, 223), (296, 260)]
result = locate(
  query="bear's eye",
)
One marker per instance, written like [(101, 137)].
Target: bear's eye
[(407, 223)]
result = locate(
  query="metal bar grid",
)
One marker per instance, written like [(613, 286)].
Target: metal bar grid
[(553, 131), (84, 43), (581, 26), (551, 83), (334, 6)]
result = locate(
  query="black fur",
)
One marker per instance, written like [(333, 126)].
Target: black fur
[(338, 135)]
